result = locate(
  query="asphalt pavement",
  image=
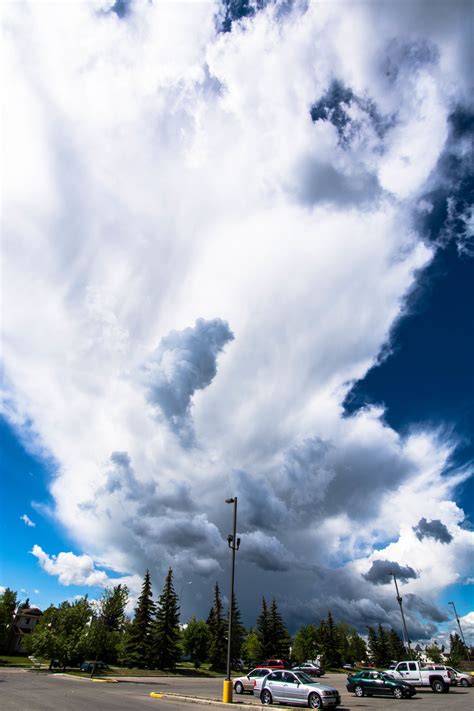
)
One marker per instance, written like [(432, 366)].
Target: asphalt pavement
[(22, 690)]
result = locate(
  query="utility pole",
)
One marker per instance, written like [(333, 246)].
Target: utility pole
[(460, 629), (234, 544), (404, 624)]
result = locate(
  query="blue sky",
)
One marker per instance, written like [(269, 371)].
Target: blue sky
[(259, 288)]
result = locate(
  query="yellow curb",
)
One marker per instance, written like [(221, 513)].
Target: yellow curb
[(206, 702), (105, 681), (155, 695)]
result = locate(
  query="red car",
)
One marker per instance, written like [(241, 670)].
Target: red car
[(275, 664)]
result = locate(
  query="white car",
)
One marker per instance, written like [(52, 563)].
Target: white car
[(251, 682), (459, 677)]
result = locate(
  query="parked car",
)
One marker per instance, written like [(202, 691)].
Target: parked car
[(276, 664), (459, 677), (373, 683), (297, 688), (88, 666), (251, 682), (311, 669)]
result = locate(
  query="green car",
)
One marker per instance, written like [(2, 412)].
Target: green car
[(373, 683)]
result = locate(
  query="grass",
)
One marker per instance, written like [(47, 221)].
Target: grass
[(183, 669), (15, 661)]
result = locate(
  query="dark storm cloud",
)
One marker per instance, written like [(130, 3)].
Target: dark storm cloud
[(432, 529), (260, 507), (185, 361), (267, 552), (381, 571), (424, 607)]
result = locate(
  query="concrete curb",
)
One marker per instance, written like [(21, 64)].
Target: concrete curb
[(207, 702), (105, 681)]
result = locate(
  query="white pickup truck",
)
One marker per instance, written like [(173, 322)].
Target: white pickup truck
[(414, 673)]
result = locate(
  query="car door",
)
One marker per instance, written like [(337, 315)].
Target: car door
[(378, 684), (274, 683), (290, 687)]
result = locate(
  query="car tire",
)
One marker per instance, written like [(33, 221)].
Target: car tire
[(266, 698), (315, 701), (359, 691), (437, 686), (239, 688), (398, 693), (464, 682)]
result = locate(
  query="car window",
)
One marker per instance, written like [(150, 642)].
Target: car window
[(402, 667), (412, 666), (289, 678), (304, 678), (276, 676), (257, 672)]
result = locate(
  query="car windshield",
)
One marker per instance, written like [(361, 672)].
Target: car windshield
[(304, 678)]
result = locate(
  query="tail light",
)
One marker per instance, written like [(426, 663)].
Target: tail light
[(254, 683)]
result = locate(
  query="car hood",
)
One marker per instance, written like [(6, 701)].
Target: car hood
[(321, 687)]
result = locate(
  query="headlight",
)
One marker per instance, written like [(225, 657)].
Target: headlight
[(328, 693)]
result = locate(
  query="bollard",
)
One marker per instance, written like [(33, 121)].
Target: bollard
[(227, 692)]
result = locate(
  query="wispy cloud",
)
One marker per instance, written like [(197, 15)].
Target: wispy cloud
[(27, 521)]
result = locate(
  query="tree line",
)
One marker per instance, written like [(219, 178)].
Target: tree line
[(154, 639)]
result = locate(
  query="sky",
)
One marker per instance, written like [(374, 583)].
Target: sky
[(238, 261)]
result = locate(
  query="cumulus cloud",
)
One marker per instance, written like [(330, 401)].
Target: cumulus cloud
[(71, 569), (27, 521), (432, 529), (381, 572), (192, 208)]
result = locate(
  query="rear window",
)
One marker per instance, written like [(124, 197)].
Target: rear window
[(276, 676), (412, 666)]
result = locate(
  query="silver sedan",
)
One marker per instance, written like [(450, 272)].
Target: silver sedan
[(297, 688), (251, 682)]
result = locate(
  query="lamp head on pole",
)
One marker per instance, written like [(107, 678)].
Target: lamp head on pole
[(230, 501)]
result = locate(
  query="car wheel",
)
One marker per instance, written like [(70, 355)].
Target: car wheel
[(239, 688), (314, 701), (437, 686), (359, 691), (266, 698), (398, 693), (464, 682)]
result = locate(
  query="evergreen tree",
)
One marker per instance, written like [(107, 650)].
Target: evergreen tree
[(138, 647), (238, 631), (264, 631), (196, 641), (165, 630), (108, 624), (458, 651), (396, 646), (358, 649), (384, 647), (8, 604), (278, 634), (330, 642), (217, 633), (373, 645)]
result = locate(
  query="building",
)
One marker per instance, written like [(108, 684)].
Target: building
[(24, 622)]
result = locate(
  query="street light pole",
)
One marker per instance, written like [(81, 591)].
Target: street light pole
[(404, 624), (234, 544), (460, 629)]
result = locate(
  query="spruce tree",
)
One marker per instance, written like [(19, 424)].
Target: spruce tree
[(238, 631), (330, 642), (278, 634), (264, 631), (384, 647), (217, 633), (165, 630), (8, 603), (138, 645), (373, 645), (395, 646)]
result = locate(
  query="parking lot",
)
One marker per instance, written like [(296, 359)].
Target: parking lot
[(26, 690)]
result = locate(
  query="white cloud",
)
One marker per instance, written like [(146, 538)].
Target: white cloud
[(155, 177), (27, 521)]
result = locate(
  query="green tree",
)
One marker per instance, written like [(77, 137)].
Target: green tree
[(196, 641), (108, 624), (217, 633), (433, 652), (305, 644), (396, 648), (458, 651), (138, 643), (358, 648), (384, 647), (8, 604), (278, 634), (165, 629), (62, 633), (238, 631), (251, 650), (330, 642), (264, 631)]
